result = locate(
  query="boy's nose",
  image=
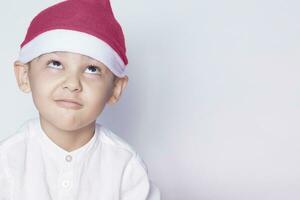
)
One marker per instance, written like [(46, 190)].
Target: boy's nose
[(72, 83)]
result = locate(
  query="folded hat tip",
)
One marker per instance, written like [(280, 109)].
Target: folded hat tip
[(94, 1)]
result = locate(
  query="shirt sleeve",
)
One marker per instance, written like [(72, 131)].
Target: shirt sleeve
[(5, 182), (154, 193), (136, 184)]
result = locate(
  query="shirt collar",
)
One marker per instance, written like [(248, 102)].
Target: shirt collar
[(60, 155)]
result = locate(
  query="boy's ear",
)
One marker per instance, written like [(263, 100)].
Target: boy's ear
[(21, 74), (118, 88)]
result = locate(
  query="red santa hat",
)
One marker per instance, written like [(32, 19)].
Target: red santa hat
[(87, 27)]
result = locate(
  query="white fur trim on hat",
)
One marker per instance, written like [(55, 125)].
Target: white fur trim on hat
[(76, 42)]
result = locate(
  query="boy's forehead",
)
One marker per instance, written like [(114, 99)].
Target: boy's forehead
[(66, 54)]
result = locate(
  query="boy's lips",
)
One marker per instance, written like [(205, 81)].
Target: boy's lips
[(69, 103)]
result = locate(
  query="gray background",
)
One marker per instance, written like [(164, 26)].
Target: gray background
[(213, 100)]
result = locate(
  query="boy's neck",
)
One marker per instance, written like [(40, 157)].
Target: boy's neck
[(68, 140)]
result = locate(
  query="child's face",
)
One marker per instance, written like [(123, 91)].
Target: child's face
[(68, 89)]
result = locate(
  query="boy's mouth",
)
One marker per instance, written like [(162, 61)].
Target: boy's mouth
[(69, 103)]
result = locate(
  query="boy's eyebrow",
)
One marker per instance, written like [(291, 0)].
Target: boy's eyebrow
[(39, 57)]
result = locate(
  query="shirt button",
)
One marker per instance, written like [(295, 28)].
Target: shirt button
[(66, 184), (68, 158)]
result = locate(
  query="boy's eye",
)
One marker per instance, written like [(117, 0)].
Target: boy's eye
[(54, 64), (93, 70)]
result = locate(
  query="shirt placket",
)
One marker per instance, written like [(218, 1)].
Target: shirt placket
[(66, 178)]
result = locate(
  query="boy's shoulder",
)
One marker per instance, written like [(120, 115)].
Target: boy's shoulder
[(108, 137), (117, 143), (16, 139)]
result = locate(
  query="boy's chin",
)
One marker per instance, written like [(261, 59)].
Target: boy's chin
[(70, 124)]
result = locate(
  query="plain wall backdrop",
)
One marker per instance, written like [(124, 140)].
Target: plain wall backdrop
[(213, 102)]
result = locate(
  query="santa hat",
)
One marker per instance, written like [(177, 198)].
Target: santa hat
[(87, 27)]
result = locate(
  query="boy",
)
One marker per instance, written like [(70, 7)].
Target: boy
[(72, 61)]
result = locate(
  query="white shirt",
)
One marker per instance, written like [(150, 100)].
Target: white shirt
[(106, 168)]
